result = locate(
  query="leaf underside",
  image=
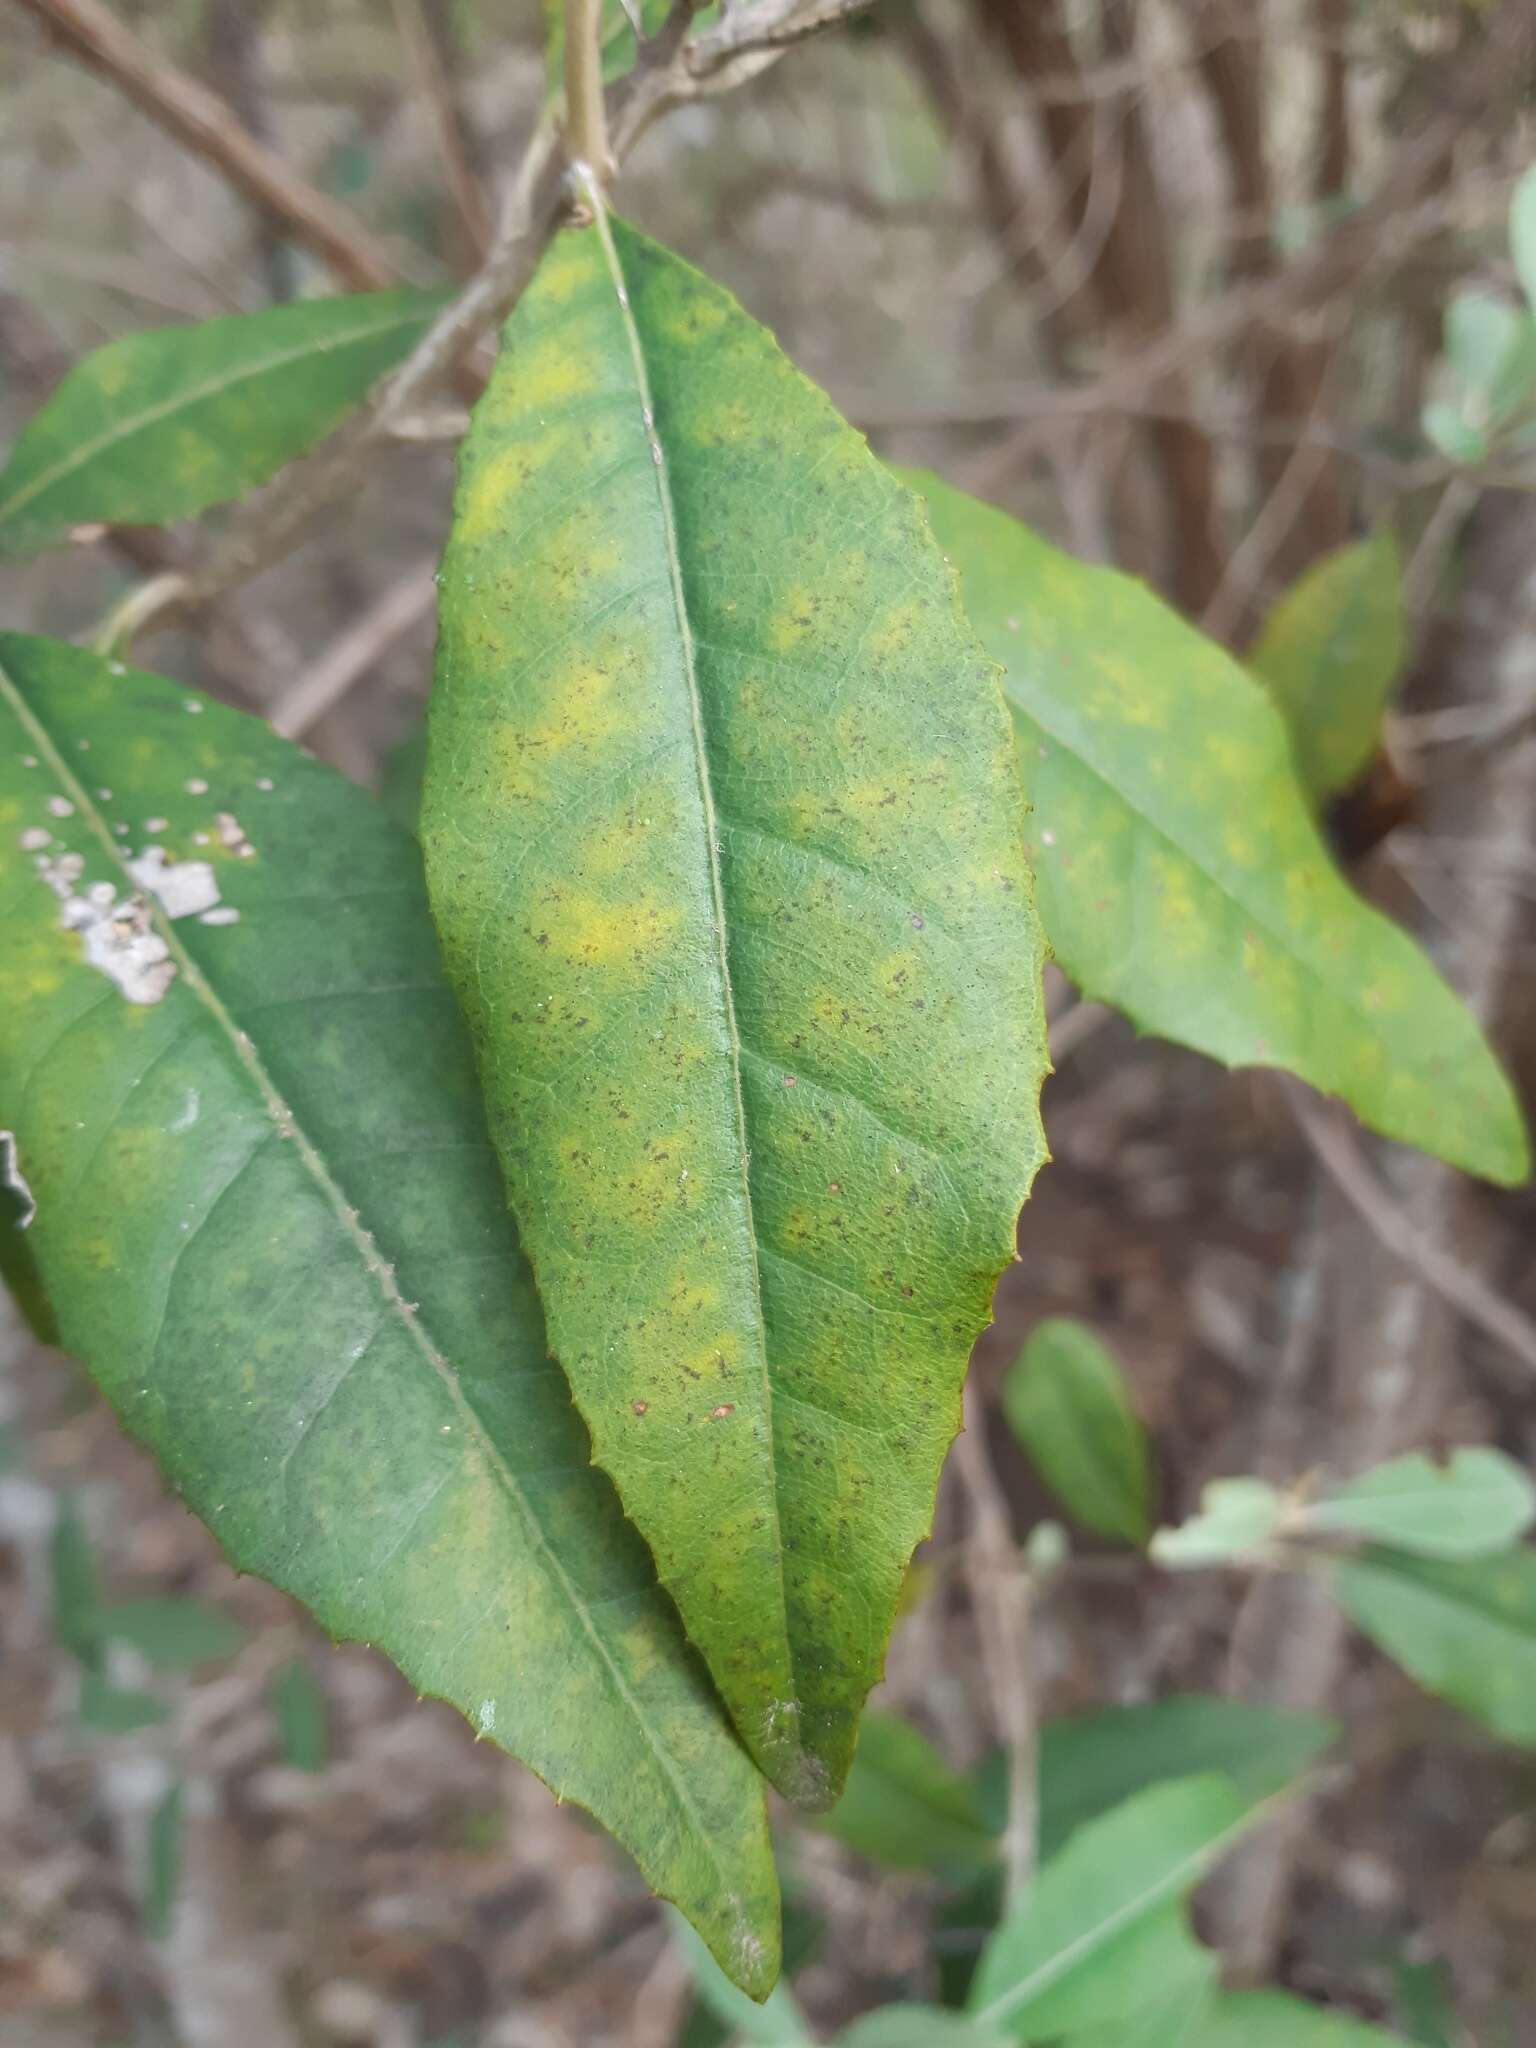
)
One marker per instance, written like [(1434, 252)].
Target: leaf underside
[(159, 425), (722, 834), (1180, 876), (272, 1225)]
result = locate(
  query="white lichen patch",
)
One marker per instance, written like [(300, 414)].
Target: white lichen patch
[(183, 888), (195, 786), (60, 807), (223, 913), (118, 938), (12, 1177), (35, 840)]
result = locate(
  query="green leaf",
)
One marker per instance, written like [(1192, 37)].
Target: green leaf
[(777, 2022), (722, 833), (1067, 1404), (1477, 1502), (1171, 2018), (1237, 1517), (1453, 434), (116, 1709), (171, 1634), (298, 1706), (1480, 333), (1180, 874), (1522, 234), (268, 1208), (919, 2026), (1091, 1762), (1329, 653), (400, 784), (1101, 1929), (1465, 1631), (162, 1877), (162, 424), (905, 1808), (1421, 1999), (1275, 2019), (804, 1930)]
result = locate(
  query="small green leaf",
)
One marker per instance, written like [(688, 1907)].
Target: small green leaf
[(1477, 1502), (776, 2023), (1236, 1518), (116, 1709), (171, 1634), (1421, 2000), (1102, 1928), (1180, 873), (1091, 1762), (75, 1589), (1276, 2019), (268, 1207), (919, 2026), (1329, 653), (160, 425), (1067, 1404), (903, 1807), (1465, 1631), (299, 1707), (1448, 429), (1480, 333), (162, 1877), (1522, 234), (724, 840)]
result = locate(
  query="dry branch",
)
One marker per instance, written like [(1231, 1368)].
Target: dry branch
[(211, 129)]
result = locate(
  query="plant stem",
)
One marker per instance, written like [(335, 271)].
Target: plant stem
[(586, 125)]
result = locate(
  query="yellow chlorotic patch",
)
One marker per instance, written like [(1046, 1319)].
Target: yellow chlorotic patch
[(792, 621), (723, 425), (599, 935)]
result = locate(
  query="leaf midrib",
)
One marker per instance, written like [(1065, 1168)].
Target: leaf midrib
[(1171, 1881), (81, 452), (283, 1118), (662, 469)]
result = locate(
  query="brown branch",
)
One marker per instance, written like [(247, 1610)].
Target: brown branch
[(423, 37), (1127, 277), (209, 127), (670, 73), (1002, 1596), (1415, 1249), (1333, 150), (1375, 236), (1287, 374)]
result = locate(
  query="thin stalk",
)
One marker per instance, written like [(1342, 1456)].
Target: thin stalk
[(586, 122)]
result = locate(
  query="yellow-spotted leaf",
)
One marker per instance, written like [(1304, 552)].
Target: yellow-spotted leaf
[(724, 840), (1329, 653), (269, 1218), (1180, 875), (157, 426)]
